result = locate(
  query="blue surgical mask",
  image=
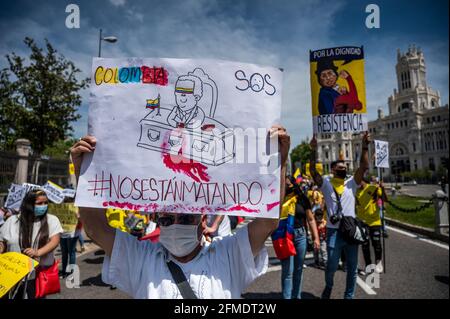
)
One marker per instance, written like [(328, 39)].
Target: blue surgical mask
[(40, 210)]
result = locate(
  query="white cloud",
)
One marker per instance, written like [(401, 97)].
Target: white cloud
[(276, 33), (117, 3)]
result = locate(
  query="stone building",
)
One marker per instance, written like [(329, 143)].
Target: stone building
[(416, 127)]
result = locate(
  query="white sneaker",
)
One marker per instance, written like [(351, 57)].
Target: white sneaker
[(379, 268)]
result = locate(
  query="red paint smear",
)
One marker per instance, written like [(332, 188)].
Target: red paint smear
[(272, 205), (239, 207), (193, 169), (130, 206), (180, 164), (272, 191)]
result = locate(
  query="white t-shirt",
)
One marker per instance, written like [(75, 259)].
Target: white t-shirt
[(347, 199), (9, 232), (222, 269)]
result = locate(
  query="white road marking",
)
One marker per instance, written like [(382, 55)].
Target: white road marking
[(365, 286), (273, 268), (429, 241)]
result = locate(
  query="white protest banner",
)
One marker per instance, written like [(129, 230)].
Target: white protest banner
[(54, 192), (381, 154), (183, 136), (29, 187), (16, 193), (67, 192)]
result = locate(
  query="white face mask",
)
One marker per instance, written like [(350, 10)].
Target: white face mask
[(179, 240)]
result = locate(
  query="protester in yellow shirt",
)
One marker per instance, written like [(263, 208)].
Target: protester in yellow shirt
[(367, 210)]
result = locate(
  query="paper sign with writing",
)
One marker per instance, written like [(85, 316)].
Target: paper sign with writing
[(338, 90), (29, 187), (16, 193), (70, 193), (13, 267), (381, 154), (54, 192), (183, 136)]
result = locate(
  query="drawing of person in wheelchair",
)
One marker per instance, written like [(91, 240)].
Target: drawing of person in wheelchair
[(191, 120)]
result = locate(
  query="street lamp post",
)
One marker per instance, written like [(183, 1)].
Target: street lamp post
[(109, 39)]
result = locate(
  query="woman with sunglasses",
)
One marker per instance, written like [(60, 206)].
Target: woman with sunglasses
[(32, 232), (220, 269)]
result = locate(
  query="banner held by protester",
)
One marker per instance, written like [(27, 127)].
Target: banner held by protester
[(16, 193), (171, 137), (13, 267), (54, 192), (338, 90)]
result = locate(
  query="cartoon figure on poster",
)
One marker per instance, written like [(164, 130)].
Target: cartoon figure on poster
[(335, 98), (338, 91), (210, 142)]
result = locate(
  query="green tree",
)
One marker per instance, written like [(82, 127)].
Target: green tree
[(42, 99), (301, 153), (60, 150)]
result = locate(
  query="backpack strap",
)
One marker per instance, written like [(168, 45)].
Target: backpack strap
[(181, 281), (338, 201)]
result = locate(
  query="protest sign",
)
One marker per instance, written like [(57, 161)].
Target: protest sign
[(54, 192), (381, 154), (338, 90), (13, 267), (67, 192), (16, 193), (29, 187), (183, 136)]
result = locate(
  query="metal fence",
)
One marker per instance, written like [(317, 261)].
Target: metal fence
[(40, 170)]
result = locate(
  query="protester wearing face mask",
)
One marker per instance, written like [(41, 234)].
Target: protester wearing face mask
[(339, 193), (222, 268), (32, 232), (292, 267)]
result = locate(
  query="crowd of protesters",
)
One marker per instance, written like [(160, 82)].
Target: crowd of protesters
[(312, 209), (324, 200)]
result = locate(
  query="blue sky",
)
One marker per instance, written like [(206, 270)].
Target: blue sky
[(277, 33)]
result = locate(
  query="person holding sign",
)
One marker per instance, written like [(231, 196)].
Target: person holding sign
[(339, 193), (182, 264), (33, 232)]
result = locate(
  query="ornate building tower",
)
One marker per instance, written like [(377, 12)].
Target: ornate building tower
[(413, 92)]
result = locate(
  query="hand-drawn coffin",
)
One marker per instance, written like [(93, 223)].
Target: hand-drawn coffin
[(208, 146)]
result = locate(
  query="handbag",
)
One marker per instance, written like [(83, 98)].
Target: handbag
[(283, 236), (47, 278), (283, 241), (352, 229)]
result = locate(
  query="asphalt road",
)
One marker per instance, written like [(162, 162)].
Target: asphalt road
[(415, 268)]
